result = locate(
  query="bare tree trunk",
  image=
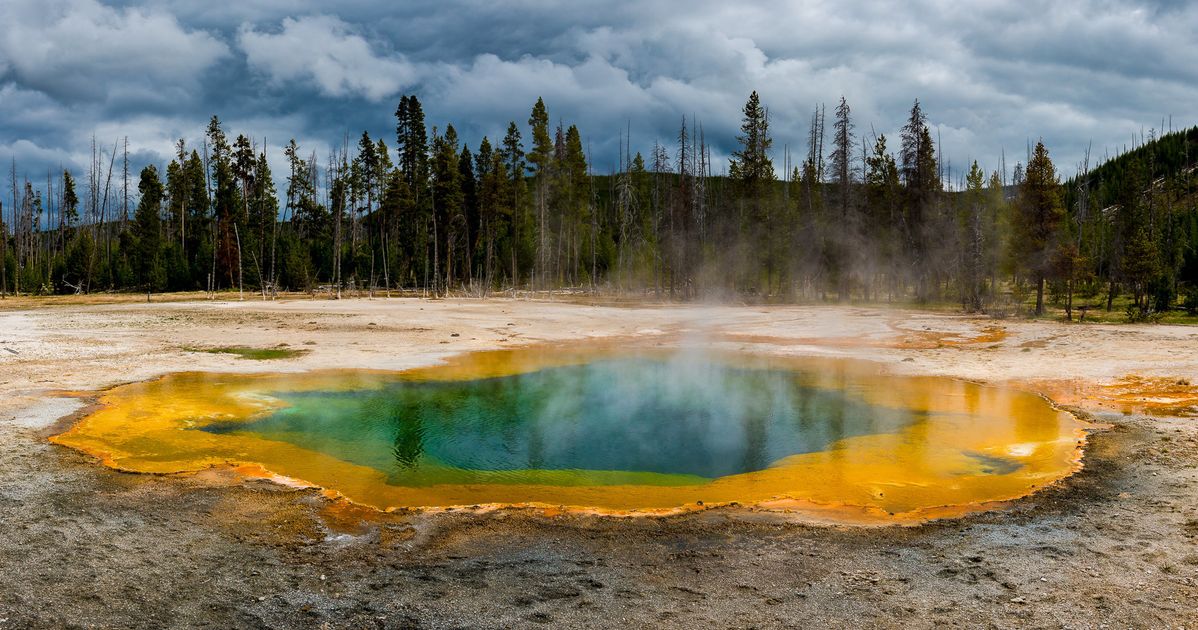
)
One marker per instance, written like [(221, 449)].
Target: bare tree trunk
[(540, 272), (274, 238), (261, 278), (1069, 297), (16, 277), (337, 218), (448, 261), (515, 238), (1039, 294), (436, 257), (212, 274), (3, 254), (386, 274), (93, 182), (487, 272), (104, 217), (240, 277), (125, 193)]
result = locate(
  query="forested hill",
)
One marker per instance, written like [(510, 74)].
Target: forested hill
[(1135, 220), (1168, 156), (861, 218)]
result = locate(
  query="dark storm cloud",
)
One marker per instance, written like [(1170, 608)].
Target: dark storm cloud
[(991, 75)]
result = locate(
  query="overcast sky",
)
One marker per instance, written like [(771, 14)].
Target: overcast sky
[(990, 74)]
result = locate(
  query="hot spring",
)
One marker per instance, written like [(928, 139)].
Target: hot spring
[(603, 429)]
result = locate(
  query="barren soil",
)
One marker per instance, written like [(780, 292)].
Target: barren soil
[(85, 546)]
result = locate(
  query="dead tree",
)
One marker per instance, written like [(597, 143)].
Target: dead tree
[(104, 220), (125, 182), (3, 254), (240, 277), (16, 277)]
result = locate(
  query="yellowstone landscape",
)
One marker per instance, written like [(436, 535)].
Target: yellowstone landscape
[(88, 545), (617, 314)]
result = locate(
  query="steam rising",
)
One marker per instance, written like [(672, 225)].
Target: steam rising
[(689, 413)]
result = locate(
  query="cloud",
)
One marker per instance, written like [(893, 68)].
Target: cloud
[(489, 87), (991, 74), (79, 50), (328, 53)]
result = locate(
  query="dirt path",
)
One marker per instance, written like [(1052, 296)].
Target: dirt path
[(86, 546)]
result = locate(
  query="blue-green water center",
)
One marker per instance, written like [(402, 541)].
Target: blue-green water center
[(666, 421)]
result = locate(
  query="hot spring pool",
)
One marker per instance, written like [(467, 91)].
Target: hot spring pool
[(604, 429)]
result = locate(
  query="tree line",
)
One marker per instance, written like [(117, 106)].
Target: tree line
[(858, 217)]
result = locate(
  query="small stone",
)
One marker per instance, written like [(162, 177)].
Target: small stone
[(1018, 600)]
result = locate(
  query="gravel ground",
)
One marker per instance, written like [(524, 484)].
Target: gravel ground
[(84, 546)]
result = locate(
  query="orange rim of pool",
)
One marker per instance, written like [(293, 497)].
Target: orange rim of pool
[(604, 428)]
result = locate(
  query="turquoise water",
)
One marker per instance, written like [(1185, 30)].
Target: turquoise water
[(649, 420)]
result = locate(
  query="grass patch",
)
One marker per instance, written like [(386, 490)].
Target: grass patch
[(1098, 314), (255, 354)]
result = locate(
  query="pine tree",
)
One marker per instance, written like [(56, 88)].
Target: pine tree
[(921, 177), (368, 161), (147, 231), (470, 230), (492, 178), (513, 159), (1137, 251), (1040, 213), (395, 199), (842, 154), (412, 148), (883, 204), (448, 220), (576, 199), (971, 238), (753, 171), (199, 217), (70, 200), (412, 142), (540, 159), (842, 238), (751, 164), (227, 207), (263, 219)]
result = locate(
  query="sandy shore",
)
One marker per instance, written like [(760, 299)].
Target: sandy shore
[(1114, 544)]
